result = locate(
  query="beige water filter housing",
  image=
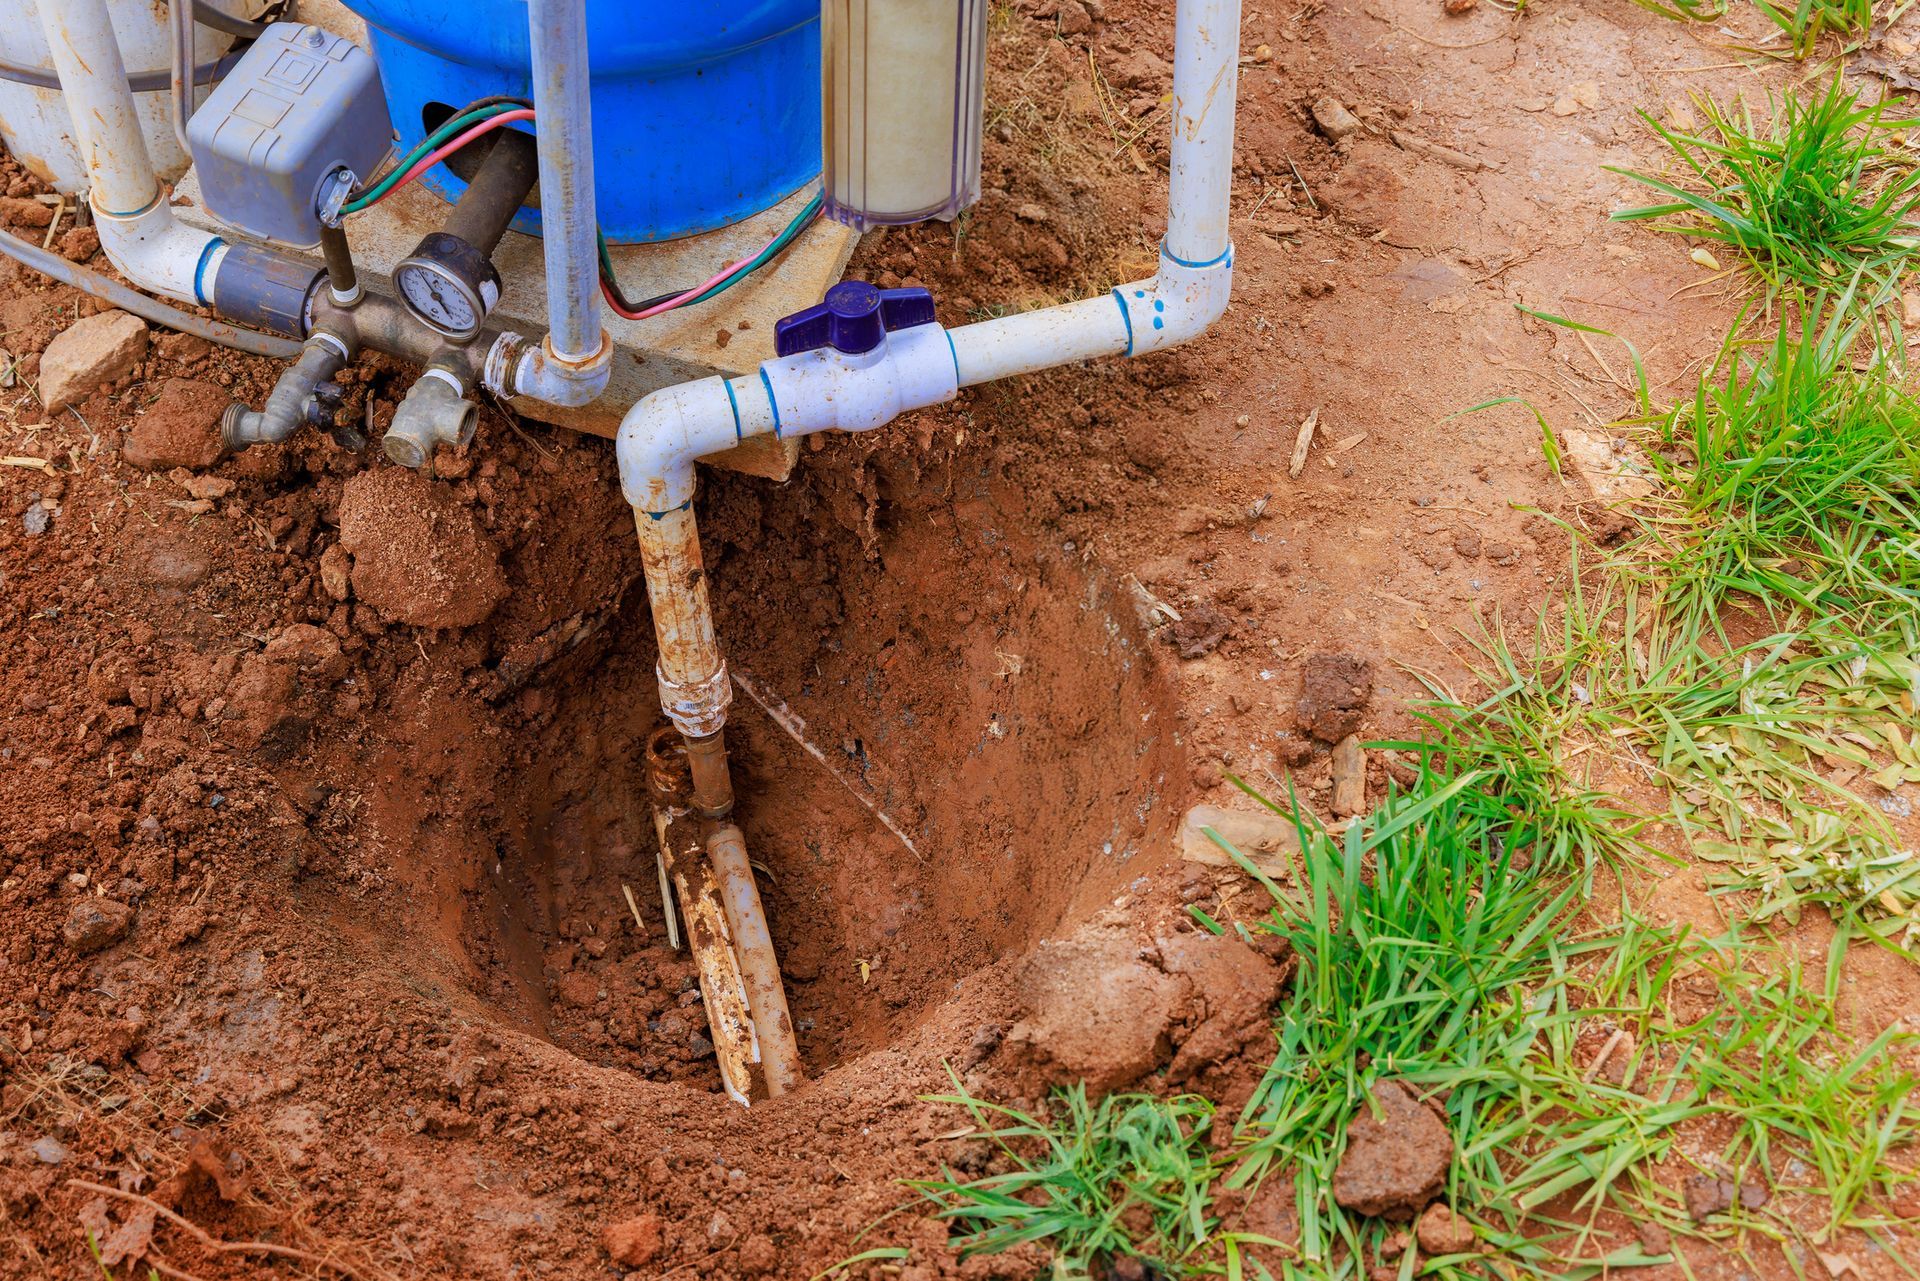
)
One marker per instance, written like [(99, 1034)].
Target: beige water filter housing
[(901, 100)]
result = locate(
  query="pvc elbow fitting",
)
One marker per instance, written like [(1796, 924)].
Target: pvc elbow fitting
[(156, 253), (434, 412), (1179, 304), (662, 435)]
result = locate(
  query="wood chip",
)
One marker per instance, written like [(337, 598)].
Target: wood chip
[(1434, 151), (1349, 777), (1302, 443), (1347, 442), (37, 464)]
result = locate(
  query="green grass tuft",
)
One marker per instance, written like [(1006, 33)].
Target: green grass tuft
[(1812, 203)]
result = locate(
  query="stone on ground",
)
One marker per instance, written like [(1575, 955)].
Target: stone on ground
[(1397, 1156), (180, 429), (90, 354)]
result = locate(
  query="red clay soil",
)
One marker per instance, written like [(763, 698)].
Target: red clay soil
[(360, 752)]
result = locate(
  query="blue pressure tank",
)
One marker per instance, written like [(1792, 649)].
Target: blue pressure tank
[(704, 111)]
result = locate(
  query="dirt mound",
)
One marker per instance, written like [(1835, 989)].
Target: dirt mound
[(419, 554), (1108, 1005)]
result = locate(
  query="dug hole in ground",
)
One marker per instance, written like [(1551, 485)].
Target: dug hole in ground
[(331, 920)]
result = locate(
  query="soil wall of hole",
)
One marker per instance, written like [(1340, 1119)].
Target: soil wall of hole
[(983, 688)]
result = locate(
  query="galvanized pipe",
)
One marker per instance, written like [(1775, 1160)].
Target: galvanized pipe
[(568, 217), (181, 30), (759, 966), (694, 688)]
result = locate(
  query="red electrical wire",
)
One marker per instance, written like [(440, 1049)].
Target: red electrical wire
[(433, 158)]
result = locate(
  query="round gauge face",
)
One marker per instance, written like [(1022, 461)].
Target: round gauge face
[(438, 298)]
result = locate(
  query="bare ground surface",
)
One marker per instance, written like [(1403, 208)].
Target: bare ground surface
[(381, 1000)]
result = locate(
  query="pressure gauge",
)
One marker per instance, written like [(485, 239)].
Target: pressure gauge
[(449, 285)]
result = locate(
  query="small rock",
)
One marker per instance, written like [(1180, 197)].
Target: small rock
[(635, 1242), (36, 520), (1442, 1232), (1457, 7), (208, 488), (95, 923), (1334, 120), (90, 354), (1707, 1196), (48, 1150), (1654, 1238), (1349, 777), (1396, 1161), (336, 567), (1032, 213)]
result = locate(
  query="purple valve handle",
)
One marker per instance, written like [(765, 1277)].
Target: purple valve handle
[(854, 318)]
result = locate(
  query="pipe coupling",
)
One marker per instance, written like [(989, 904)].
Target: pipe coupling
[(698, 709), (517, 366), (434, 412)]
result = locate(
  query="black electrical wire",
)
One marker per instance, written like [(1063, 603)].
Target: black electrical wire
[(138, 81), (155, 81), (220, 20)]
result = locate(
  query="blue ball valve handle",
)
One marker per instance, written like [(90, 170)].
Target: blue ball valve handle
[(854, 319)]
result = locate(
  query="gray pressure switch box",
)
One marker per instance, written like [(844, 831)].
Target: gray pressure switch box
[(299, 104)]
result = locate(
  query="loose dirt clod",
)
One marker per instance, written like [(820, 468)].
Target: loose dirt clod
[(1443, 1232), (635, 1242), (1397, 1156), (95, 923), (180, 429), (1334, 692)]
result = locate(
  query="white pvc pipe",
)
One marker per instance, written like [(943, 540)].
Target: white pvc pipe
[(137, 228), (106, 125), (568, 218), (1206, 67)]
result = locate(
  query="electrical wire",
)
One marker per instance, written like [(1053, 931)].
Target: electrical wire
[(138, 81), (434, 157), (717, 284), (487, 114)]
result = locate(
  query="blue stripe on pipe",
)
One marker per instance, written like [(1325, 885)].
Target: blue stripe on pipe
[(737, 433), (669, 511), (1171, 257), (768, 384), (1126, 318), (200, 271), (952, 351)]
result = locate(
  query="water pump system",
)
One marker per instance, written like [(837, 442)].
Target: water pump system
[(476, 186)]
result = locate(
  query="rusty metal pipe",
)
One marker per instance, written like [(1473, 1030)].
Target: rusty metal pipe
[(694, 689), (342, 277), (759, 967), (380, 322), (501, 185), (712, 785)]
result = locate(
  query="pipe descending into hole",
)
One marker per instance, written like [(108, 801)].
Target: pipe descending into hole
[(903, 361)]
